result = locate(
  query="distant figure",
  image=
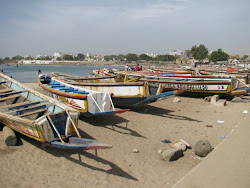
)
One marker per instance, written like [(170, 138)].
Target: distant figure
[(141, 68), (137, 68), (2, 71), (126, 67), (39, 72)]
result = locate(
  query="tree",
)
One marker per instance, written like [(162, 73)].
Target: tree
[(68, 57), (121, 57), (218, 56), (199, 53), (165, 58), (80, 57), (6, 59), (110, 57), (244, 57), (132, 57), (145, 57), (17, 58), (59, 59)]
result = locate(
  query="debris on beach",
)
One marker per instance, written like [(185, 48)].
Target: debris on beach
[(166, 141), (245, 112), (202, 148), (160, 151), (223, 136), (172, 154), (187, 144), (237, 99), (176, 100), (135, 151), (179, 145), (209, 125), (219, 121)]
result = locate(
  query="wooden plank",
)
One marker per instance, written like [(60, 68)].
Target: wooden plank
[(34, 107), (10, 97), (12, 93), (32, 112), (6, 90), (15, 105)]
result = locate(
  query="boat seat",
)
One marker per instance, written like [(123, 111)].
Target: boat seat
[(24, 105), (57, 86), (10, 97), (66, 88), (12, 93), (34, 107), (32, 112), (14, 105), (6, 90)]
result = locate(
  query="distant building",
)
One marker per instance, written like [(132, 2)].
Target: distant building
[(176, 52), (151, 55)]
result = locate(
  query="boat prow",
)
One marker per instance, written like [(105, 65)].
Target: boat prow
[(79, 143)]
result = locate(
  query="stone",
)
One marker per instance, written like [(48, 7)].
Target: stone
[(171, 154), (237, 99), (214, 98), (10, 138), (214, 101), (176, 100), (202, 148), (208, 99)]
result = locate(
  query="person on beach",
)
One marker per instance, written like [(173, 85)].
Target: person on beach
[(126, 67), (137, 68), (2, 71), (39, 72)]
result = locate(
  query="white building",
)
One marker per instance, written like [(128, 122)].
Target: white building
[(176, 52)]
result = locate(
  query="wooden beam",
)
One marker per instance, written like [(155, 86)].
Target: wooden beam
[(33, 112), (10, 97)]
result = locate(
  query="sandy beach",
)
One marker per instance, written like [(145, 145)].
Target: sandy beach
[(33, 164)]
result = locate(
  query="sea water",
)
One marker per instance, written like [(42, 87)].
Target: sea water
[(29, 73)]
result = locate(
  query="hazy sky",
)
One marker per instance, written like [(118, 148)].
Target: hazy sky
[(31, 27)]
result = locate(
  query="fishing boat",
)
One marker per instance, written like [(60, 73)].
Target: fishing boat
[(124, 94), (198, 87), (41, 117), (86, 101)]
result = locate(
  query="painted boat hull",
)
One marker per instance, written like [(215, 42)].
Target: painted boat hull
[(87, 102), (38, 116)]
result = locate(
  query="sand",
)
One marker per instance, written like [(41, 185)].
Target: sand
[(32, 164)]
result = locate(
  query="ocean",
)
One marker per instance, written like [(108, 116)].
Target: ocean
[(29, 73)]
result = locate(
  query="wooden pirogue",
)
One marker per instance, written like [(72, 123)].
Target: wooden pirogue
[(86, 101), (41, 117), (124, 94)]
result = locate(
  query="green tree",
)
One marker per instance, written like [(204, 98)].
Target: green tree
[(132, 57), (80, 57), (165, 58), (59, 59), (110, 57), (121, 57), (17, 58), (199, 53), (68, 57), (145, 57), (218, 56), (244, 57), (6, 59)]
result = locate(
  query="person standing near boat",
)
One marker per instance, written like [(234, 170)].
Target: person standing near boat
[(126, 67), (137, 68), (39, 72)]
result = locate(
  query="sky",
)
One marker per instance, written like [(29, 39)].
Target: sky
[(32, 27)]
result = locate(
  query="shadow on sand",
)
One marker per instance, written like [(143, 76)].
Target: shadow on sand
[(67, 153), (162, 112), (113, 121)]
